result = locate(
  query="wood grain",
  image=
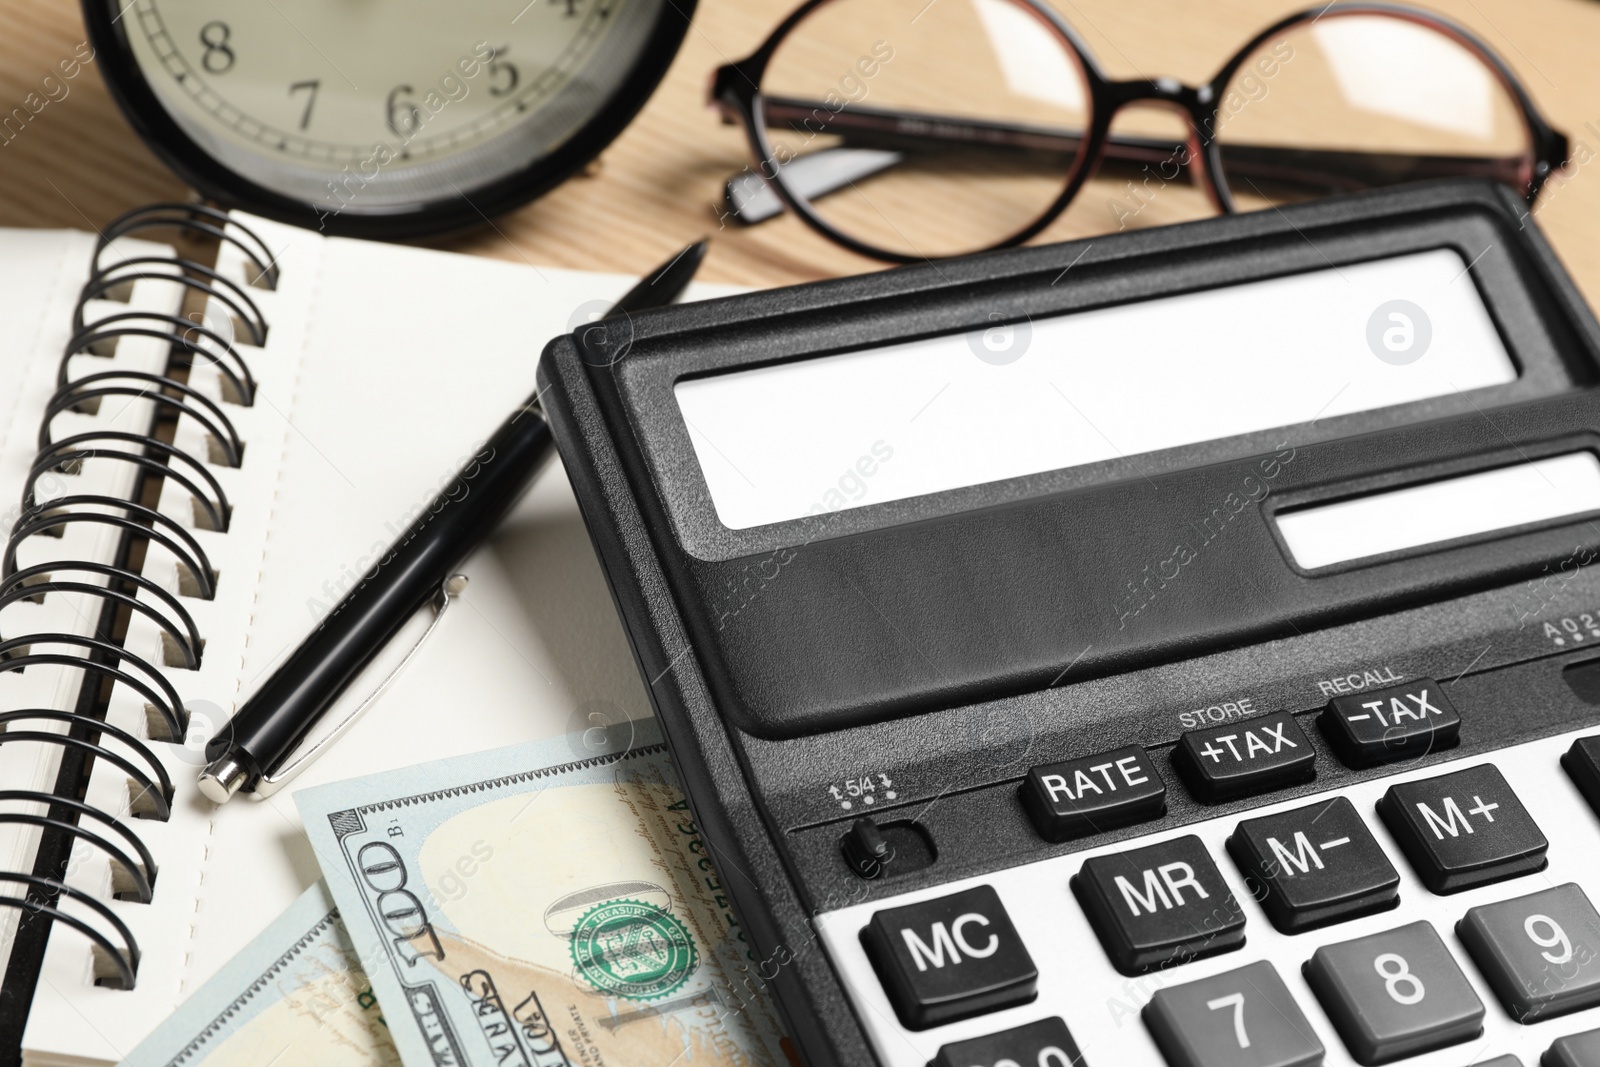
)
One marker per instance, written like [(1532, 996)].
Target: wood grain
[(77, 163)]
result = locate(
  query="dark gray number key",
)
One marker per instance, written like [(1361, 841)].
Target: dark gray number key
[(1578, 1050), (1046, 1043), (1395, 994), (1241, 1018), (1541, 952)]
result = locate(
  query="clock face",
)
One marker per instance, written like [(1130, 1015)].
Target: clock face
[(378, 108)]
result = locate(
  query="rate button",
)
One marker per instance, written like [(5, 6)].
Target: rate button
[(1094, 794)]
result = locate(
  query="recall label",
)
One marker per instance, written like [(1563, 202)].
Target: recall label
[(1354, 683)]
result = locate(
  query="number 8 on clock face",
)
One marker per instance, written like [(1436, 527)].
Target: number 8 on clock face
[(385, 120)]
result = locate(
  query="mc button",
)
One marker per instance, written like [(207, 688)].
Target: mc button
[(1253, 756), (950, 958)]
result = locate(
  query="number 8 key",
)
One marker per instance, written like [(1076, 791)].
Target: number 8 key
[(1394, 994)]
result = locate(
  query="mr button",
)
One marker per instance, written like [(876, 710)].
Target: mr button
[(950, 958), (1159, 903), (1093, 794), (1236, 760), (1384, 725), (1463, 829)]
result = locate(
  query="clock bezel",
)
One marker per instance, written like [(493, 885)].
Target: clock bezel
[(136, 98)]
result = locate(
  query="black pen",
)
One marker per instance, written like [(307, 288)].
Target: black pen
[(249, 753)]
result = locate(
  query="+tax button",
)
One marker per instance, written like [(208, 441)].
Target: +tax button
[(1239, 759)]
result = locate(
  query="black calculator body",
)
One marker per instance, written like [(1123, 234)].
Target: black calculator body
[(1218, 714)]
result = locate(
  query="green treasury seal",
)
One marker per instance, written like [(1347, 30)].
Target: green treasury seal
[(633, 949)]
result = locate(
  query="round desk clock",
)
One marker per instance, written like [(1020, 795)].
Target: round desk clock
[(388, 120)]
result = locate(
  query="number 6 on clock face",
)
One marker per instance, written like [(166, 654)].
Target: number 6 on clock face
[(382, 119)]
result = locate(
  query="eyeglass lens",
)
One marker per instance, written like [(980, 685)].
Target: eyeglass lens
[(959, 120), (927, 130)]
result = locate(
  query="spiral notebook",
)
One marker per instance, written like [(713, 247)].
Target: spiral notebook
[(332, 386)]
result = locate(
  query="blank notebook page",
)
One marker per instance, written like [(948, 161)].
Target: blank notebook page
[(383, 371)]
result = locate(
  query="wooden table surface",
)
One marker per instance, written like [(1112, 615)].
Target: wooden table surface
[(78, 164)]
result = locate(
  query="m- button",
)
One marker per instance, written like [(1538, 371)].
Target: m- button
[(1314, 865), (1385, 725), (1252, 756), (1463, 829), (950, 958)]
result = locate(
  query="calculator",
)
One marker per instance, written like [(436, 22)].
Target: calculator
[(1180, 647)]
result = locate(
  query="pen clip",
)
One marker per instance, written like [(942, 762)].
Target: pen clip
[(269, 784)]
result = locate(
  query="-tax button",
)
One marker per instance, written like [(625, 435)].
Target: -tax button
[(1242, 758), (1385, 725), (950, 958)]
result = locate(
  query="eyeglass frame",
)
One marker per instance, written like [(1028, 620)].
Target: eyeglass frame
[(735, 92)]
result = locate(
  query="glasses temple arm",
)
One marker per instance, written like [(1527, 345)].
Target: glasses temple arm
[(879, 138)]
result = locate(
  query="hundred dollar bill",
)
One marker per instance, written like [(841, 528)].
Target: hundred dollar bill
[(295, 995), (523, 908)]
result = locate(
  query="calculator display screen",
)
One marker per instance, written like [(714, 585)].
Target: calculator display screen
[(888, 423)]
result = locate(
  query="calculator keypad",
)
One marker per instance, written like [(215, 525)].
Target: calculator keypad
[(1241, 1018), (1082, 961)]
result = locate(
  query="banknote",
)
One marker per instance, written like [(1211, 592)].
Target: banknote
[(523, 908), (295, 995)]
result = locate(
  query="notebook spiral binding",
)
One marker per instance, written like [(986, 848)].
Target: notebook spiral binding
[(117, 586)]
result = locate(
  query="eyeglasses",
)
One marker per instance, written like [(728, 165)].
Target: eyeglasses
[(915, 129)]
